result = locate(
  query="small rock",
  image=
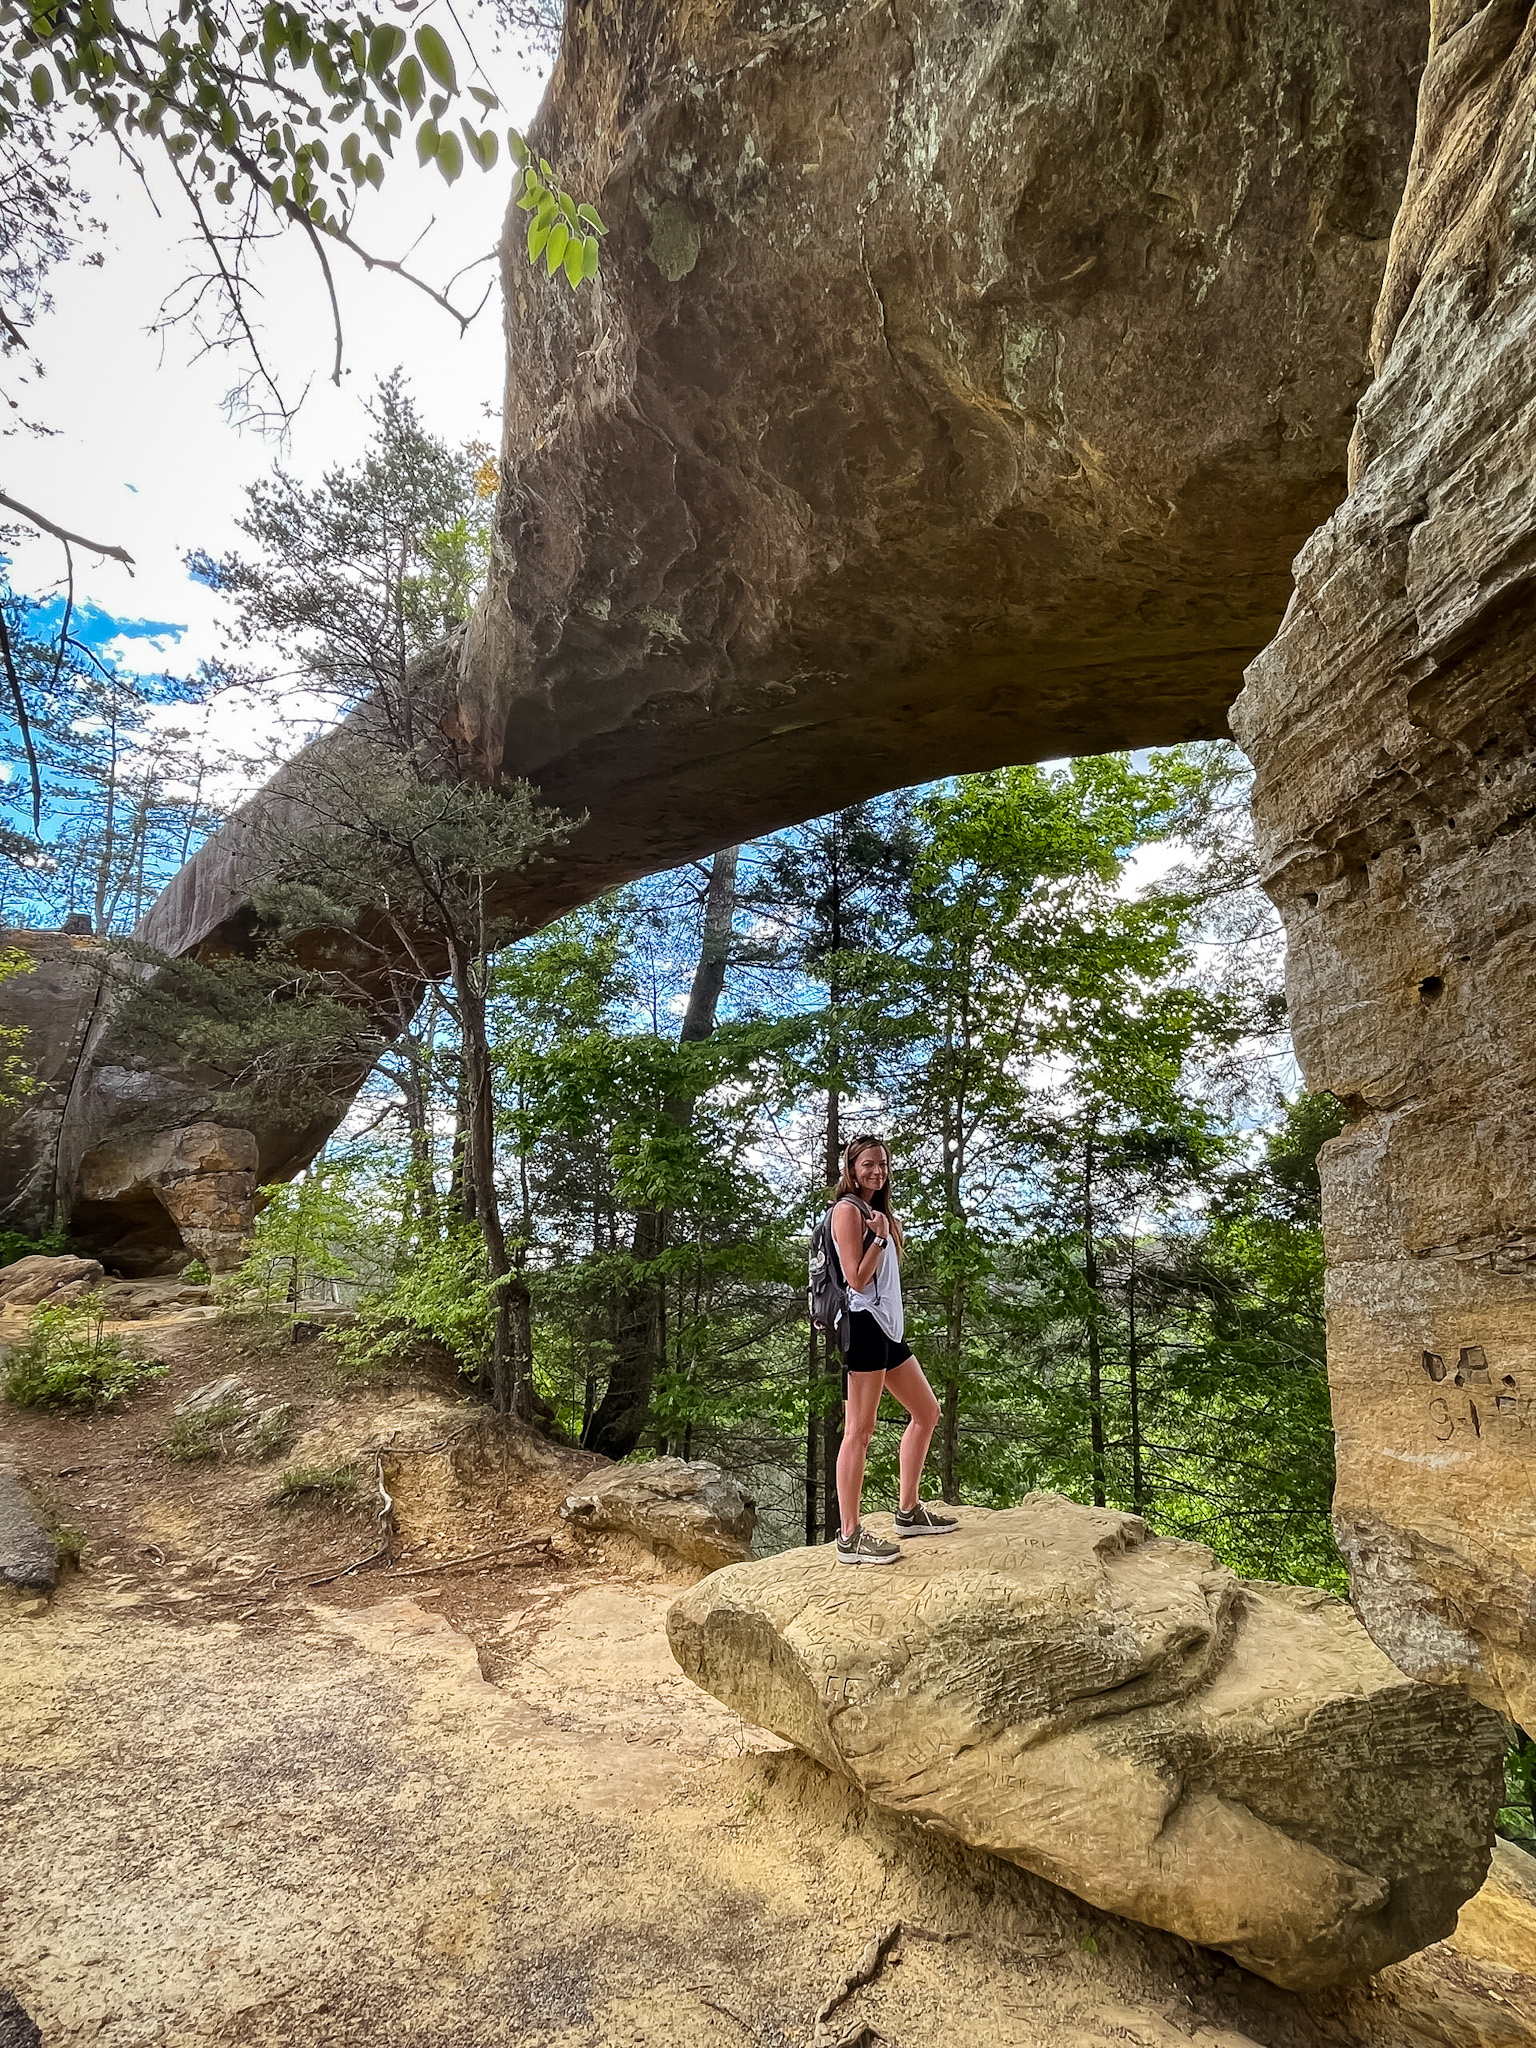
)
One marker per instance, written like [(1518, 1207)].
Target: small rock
[(676, 1509), (30, 1282), (29, 1557), (229, 1392)]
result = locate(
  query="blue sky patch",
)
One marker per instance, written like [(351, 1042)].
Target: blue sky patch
[(97, 628)]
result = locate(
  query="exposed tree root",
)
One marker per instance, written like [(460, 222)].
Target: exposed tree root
[(859, 2032)]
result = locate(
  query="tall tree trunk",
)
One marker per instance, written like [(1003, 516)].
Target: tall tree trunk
[(1133, 1365), (1095, 1353), (480, 1151), (949, 1438), (639, 1333)]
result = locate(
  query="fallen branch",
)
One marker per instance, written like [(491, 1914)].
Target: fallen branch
[(864, 1971), (422, 1571)]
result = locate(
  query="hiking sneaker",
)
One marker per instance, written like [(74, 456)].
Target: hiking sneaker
[(923, 1521), (863, 1547)]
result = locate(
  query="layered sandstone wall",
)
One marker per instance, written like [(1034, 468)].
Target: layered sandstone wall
[(1391, 727)]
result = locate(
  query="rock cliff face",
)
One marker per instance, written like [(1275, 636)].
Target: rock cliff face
[(962, 377), (1391, 726), (1235, 1762)]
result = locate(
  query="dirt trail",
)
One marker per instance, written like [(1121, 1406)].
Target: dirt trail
[(316, 1820)]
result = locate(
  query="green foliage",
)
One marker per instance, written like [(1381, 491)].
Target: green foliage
[(308, 1231), (1517, 1816), (564, 233), (439, 1297), (359, 576), (233, 94), (66, 1360), (333, 1485), (276, 1041), (196, 1274), (15, 1244), (17, 1081)]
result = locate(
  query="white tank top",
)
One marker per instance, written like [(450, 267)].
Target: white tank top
[(882, 1297)]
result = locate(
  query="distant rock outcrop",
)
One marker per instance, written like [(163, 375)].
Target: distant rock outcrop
[(42, 1280), (685, 1514), (1230, 1760)]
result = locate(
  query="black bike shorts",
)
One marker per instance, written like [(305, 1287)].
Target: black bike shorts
[(869, 1348)]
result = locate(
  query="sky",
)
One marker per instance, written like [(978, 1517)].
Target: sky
[(143, 455)]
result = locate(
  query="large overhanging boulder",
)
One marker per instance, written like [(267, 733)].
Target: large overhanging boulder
[(961, 379), (1233, 1761), (1391, 727)]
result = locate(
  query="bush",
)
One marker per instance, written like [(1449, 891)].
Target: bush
[(196, 1274), (439, 1299), (334, 1483), (15, 1244), (66, 1360)]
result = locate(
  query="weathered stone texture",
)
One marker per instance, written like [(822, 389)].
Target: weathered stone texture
[(170, 1192), (685, 1512), (1499, 1923), (961, 379), (41, 1280), (1391, 727), (55, 1004), (1234, 1761)]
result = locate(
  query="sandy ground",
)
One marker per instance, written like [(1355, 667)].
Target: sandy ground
[(486, 1807)]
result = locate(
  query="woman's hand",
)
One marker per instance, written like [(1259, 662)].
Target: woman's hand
[(880, 1225)]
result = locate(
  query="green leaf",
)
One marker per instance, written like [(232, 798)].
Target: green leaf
[(589, 257), (42, 86), (554, 253), (441, 101), (567, 206), (482, 147), (517, 149), (486, 100), (435, 54), (538, 235), (546, 167), (427, 139), (373, 171), (575, 260), (413, 86), (592, 217), (384, 47), (527, 202), (547, 210), (450, 157)]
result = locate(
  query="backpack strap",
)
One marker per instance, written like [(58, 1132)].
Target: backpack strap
[(869, 1235)]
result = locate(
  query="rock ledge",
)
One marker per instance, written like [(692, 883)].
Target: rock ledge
[(1231, 1760)]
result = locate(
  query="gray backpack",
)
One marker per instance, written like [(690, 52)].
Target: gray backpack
[(826, 1289)]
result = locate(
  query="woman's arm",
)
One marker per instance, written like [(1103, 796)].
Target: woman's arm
[(859, 1266)]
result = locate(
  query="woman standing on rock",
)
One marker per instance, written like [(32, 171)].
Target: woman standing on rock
[(868, 1239)]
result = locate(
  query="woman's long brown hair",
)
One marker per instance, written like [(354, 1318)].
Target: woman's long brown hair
[(854, 1151)]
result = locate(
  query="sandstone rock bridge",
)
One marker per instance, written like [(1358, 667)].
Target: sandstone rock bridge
[(963, 379)]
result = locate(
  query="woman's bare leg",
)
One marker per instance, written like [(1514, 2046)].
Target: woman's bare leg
[(863, 1405), (909, 1383)]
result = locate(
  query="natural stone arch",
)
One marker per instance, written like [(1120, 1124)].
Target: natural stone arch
[(962, 380)]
